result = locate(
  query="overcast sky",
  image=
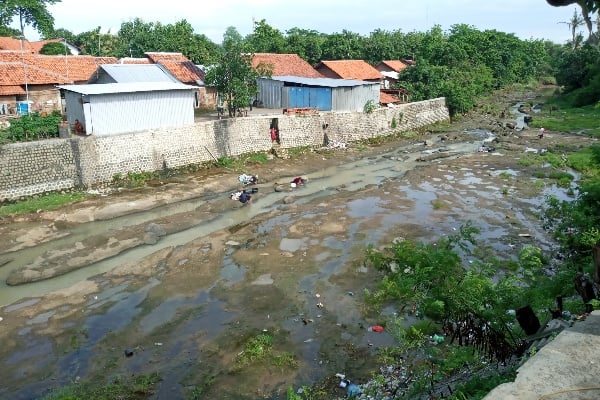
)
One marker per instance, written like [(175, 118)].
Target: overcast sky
[(527, 19)]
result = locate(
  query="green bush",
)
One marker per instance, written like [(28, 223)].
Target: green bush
[(32, 127)]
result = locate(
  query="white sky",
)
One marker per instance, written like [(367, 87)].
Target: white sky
[(527, 19)]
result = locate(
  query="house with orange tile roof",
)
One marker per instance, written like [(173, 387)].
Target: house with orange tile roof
[(390, 70), (9, 43), (349, 69), (285, 65), (31, 78)]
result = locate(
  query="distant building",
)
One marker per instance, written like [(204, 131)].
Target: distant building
[(285, 65), (349, 69), (324, 94)]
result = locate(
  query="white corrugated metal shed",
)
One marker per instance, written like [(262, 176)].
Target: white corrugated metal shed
[(127, 73), (111, 108), (106, 88)]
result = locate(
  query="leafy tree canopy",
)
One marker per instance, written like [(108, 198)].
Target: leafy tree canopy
[(29, 12), (54, 48), (233, 74)]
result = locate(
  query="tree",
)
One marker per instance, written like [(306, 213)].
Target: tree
[(575, 22), (588, 7), (137, 37), (233, 76), (343, 46), (266, 39), (9, 32), (54, 49), (470, 303), (308, 44), (30, 12), (62, 33)]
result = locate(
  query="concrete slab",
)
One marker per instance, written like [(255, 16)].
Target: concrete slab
[(568, 367)]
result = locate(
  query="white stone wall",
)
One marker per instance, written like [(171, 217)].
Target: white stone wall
[(38, 167)]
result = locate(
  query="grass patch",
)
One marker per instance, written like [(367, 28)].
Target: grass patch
[(527, 160), (437, 204), (139, 387), (479, 386), (298, 151), (505, 175), (134, 179), (259, 349), (554, 118), (47, 202), (582, 162)]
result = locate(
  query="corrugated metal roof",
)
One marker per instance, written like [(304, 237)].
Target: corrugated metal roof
[(127, 73), (106, 88), (326, 82)]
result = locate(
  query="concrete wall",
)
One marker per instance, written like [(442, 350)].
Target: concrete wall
[(56, 164)]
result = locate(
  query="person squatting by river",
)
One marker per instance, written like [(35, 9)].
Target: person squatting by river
[(242, 196)]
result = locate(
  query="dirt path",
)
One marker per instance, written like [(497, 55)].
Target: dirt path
[(187, 308)]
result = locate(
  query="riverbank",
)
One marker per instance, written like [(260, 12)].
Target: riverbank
[(222, 273)]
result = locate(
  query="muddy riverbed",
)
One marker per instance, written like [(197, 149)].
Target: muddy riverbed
[(182, 277)]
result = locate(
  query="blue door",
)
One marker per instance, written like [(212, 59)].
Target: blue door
[(299, 97), (320, 98), (316, 97)]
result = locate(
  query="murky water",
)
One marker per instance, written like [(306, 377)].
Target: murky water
[(352, 176), (318, 308)]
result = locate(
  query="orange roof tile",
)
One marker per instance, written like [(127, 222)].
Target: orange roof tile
[(349, 69), (286, 65), (184, 71), (386, 98), (8, 43), (10, 90), (15, 56), (16, 74), (157, 57), (393, 65), (75, 68)]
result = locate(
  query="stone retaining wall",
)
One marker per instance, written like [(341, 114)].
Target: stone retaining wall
[(31, 168)]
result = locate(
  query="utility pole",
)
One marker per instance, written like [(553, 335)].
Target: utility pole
[(22, 37)]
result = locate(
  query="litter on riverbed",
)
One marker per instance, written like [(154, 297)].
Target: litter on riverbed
[(376, 328)]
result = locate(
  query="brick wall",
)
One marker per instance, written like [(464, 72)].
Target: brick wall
[(56, 164)]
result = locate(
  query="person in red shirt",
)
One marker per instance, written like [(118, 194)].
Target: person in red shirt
[(78, 127)]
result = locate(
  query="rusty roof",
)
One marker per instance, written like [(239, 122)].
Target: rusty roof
[(351, 69), (393, 65), (286, 65)]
